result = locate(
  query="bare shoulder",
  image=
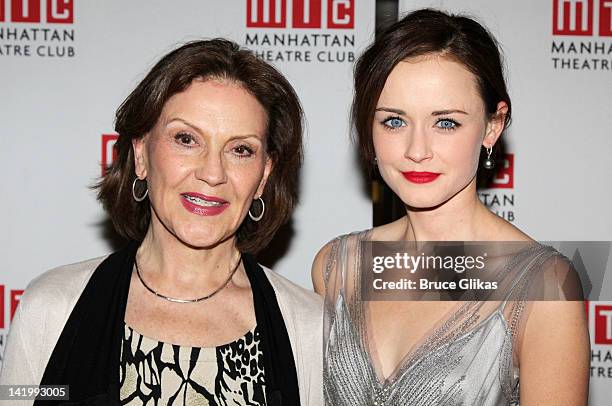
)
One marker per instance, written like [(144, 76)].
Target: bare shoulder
[(553, 347), (318, 266), (554, 354), (320, 271), (499, 229), (393, 231)]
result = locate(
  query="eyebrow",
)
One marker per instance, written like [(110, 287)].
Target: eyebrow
[(391, 110), (187, 123), (199, 131), (445, 112), (434, 113)]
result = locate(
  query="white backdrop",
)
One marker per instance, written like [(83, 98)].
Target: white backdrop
[(556, 185), (64, 71)]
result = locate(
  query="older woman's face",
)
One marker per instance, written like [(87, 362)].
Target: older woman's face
[(205, 161), (429, 125)]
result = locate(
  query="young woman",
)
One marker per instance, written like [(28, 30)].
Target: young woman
[(430, 96)]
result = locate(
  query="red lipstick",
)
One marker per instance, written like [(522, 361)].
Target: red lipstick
[(203, 205), (420, 177)]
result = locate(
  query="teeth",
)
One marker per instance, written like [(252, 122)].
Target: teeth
[(201, 202)]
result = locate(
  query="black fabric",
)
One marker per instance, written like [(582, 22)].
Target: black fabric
[(282, 384), (86, 355)]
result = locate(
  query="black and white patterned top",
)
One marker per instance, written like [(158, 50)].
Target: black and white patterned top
[(158, 373)]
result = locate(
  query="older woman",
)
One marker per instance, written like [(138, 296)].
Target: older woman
[(430, 104), (208, 155)]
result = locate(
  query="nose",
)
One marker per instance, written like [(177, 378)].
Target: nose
[(418, 148), (211, 168)]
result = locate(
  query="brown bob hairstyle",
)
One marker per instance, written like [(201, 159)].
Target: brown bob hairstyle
[(137, 115), (423, 32)]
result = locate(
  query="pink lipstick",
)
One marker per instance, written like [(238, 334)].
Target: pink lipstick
[(420, 177), (203, 205)]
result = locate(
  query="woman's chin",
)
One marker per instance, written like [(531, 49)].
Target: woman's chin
[(201, 240), (423, 203)]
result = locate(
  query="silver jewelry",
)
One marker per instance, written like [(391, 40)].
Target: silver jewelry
[(489, 163), (139, 198), (263, 210), (176, 300)]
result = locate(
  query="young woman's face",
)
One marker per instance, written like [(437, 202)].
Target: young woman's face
[(429, 126), (204, 161)]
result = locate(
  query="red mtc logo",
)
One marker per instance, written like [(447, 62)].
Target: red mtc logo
[(603, 324), (304, 13), (14, 297), (575, 17), (30, 11), (109, 153), (605, 18), (504, 176)]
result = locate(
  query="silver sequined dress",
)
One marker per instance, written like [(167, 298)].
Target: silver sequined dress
[(466, 360)]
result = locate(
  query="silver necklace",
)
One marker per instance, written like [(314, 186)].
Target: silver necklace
[(176, 300)]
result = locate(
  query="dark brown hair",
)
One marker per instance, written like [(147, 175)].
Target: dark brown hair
[(419, 33), (137, 115)]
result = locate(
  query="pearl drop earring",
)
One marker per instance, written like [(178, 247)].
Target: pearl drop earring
[(489, 163)]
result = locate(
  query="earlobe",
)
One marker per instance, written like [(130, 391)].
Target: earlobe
[(495, 127), (264, 179), (491, 136), (138, 147)]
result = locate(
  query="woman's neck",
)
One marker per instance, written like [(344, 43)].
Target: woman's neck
[(166, 261)]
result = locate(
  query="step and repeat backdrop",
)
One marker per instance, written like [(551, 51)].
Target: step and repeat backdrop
[(555, 184), (66, 65)]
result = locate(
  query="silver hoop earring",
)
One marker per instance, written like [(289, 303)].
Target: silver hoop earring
[(489, 163), (139, 198), (263, 210)]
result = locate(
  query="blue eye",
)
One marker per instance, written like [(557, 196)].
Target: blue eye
[(447, 124), (394, 122)]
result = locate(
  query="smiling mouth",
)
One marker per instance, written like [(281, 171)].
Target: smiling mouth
[(203, 205), (202, 202)]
